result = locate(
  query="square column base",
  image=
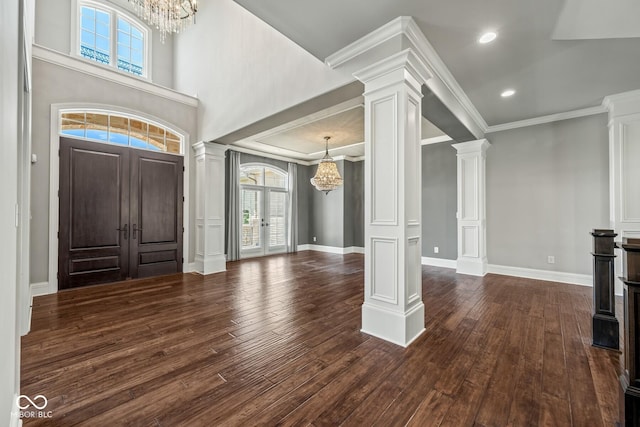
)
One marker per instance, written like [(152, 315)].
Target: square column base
[(471, 266), (211, 264), (399, 328), (606, 332)]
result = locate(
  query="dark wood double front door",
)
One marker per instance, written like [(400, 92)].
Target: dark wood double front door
[(120, 213)]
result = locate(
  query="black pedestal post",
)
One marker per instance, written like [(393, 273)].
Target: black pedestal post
[(630, 378), (606, 330)]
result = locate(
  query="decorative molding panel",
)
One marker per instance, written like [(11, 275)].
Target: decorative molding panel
[(332, 249), (470, 241), (384, 269), (469, 188), (384, 147), (630, 171)]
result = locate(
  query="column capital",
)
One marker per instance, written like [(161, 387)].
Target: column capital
[(622, 104), (210, 148), (404, 65), (480, 145)]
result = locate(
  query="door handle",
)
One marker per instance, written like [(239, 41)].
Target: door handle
[(135, 230), (125, 230)]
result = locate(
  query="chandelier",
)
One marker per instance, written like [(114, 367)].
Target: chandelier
[(168, 16), (327, 177)]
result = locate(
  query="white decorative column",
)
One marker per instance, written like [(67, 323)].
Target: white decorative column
[(393, 308), (210, 184), (624, 168), (472, 224)]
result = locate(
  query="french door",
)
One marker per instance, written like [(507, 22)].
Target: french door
[(263, 222), (120, 213)]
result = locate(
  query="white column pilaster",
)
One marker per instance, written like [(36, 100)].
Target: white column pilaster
[(624, 168), (393, 308), (210, 184), (472, 224)]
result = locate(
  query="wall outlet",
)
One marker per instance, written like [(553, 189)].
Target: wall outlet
[(315, 239), (436, 249), (551, 259)]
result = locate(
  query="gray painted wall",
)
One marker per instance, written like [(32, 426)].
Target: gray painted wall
[(327, 214), (53, 30), (54, 84), (304, 204), (439, 201), (547, 187), (353, 204)]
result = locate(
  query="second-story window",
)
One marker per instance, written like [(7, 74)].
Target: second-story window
[(110, 37)]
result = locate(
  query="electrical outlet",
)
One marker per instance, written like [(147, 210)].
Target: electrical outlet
[(436, 249), (315, 239), (551, 259)]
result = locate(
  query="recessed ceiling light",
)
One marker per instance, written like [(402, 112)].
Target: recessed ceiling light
[(507, 93), (487, 37)]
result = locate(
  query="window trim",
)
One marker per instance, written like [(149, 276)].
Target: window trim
[(114, 11)]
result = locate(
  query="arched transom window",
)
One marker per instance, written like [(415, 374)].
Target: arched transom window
[(121, 129)]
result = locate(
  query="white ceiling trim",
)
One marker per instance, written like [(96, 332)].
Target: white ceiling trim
[(311, 118), (96, 70), (320, 153), (267, 155), (599, 109), (436, 140), (368, 42)]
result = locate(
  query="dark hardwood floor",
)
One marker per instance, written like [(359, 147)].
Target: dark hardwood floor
[(276, 340)]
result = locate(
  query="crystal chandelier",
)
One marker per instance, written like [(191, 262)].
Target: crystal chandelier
[(168, 16), (327, 176)]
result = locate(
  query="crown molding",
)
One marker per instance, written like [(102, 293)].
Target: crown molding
[(442, 83), (599, 109), (95, 70), (369, 41), (442, 73)]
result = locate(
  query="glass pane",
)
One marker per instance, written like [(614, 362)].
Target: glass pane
[(136, 33), (87, 39), (252, 175), (136, 44), (103, 29), (97, 121), (102, 17), (250, 207), (156, 137), (124, 39), (277, 218), (89, 12), (173, 146), (72, 124), (88, 21), (139, 131), (136, 57), (274, 178), (102, 44), (119, 130), (123, 25)]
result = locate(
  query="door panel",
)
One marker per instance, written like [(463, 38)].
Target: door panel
[(92, 245), (277, 221), (252, 222), (156, 214)]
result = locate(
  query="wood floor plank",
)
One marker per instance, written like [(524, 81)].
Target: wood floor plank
[(277, 341)]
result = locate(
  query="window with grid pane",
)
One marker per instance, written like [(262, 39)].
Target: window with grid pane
[(113, 38), (95, 30)]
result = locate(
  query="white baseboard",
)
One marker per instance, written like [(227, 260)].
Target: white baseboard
[(189, 267), (332, 249), (38, 289), (551, 276), (439, 262)]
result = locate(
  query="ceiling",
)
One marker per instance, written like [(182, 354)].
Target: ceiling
[(305, 140), (549, 75)]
